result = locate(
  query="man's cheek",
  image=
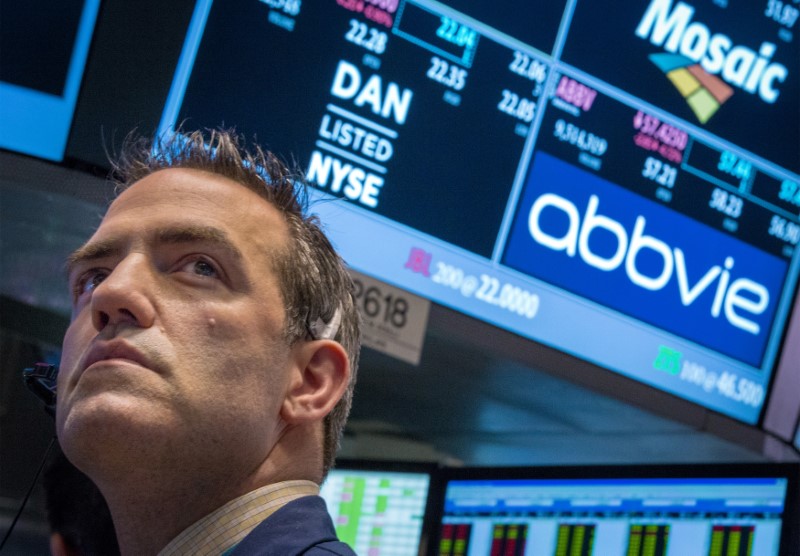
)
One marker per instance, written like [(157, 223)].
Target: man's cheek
[(75, 343), (225, 326), (69, 347)]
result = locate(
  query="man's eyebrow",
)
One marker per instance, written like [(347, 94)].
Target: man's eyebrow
[(199, 234), (93, 251), (184, 234)]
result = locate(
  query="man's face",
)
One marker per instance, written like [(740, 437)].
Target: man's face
[(175, 349)]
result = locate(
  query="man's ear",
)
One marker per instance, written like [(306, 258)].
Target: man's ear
[(320, 375)]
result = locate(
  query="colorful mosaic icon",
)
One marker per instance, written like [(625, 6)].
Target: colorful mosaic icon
[(704, 92)]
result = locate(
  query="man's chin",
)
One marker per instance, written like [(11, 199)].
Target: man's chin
[(111, 425)]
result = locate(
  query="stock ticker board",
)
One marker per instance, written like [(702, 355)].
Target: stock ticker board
[(616, 180)]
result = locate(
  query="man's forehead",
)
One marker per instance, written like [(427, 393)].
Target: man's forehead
[(179, 183), (194, 193), (181, 205)]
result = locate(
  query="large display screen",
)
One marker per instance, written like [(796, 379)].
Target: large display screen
[(635, 511), (44, 47), (378, 510), (617, 180)]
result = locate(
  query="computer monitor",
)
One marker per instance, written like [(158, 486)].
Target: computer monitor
[(380, 508), (669, 510)]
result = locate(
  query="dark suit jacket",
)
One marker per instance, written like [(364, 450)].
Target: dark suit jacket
[(302, 526)]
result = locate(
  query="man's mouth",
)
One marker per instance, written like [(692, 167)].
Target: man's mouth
[(115, 349)]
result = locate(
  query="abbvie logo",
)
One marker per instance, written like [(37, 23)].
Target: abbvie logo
[(738, 299)]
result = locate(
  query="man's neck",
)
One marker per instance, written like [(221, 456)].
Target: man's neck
[(152, 504), (147, 519)]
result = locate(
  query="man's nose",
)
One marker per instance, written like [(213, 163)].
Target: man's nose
[(124, 296)]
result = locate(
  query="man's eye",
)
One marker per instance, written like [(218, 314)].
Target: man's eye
[(201, 267), (89, 281)]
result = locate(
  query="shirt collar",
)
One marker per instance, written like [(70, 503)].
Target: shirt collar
[(223, 528)]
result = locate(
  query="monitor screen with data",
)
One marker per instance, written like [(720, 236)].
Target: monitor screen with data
[(379, 508), (743, 510), (616, 180)]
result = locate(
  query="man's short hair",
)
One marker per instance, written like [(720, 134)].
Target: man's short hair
[(314, 282)]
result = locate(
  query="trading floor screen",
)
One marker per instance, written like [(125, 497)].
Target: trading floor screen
[(625, 517), (378, 513), (615, 180)]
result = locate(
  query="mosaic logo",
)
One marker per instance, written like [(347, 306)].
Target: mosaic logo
[(704, 92), (695, 56)]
